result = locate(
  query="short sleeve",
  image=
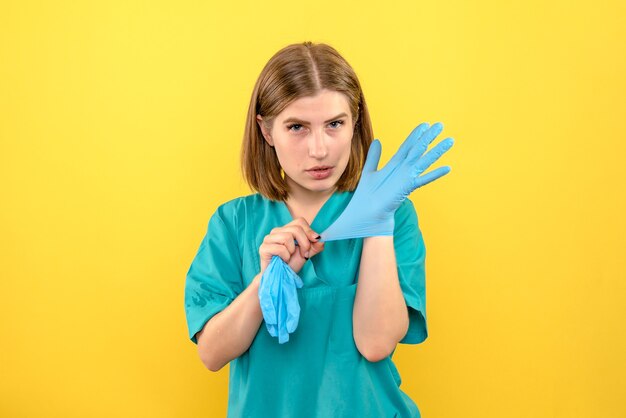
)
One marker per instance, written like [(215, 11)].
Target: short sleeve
[(214, 278), (410, 257)]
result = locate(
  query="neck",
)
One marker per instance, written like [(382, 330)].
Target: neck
[(302, 201)]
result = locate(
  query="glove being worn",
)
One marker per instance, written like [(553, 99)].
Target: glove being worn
[(379, 193)]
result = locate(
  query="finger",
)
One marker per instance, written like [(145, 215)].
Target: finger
[(277, 250), (408, 143), (422, 143), (306, 227), (433, 155), (431, 176), (301, 239), (373, 157), (284, 238)]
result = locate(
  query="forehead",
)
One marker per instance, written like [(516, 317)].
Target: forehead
[(324, 105)]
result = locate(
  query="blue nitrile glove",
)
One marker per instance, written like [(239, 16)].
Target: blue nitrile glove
[(279, 299), (380, 193)]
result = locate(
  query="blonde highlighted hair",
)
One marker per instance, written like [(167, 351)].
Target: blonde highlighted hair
[(296, 71)]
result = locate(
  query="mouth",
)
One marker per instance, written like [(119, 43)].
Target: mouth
[(320, 168), (320, 172)]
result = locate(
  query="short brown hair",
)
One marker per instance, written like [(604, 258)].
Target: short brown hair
[(299, 70)]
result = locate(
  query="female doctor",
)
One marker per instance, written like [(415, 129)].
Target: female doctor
[(307, 136)]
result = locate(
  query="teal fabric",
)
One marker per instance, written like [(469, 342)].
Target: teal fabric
[(319, 372)]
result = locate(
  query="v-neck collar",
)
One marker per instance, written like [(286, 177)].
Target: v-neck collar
[(324, 216), (328, 213)]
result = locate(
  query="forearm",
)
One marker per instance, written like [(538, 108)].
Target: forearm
[(229, 333), (380, 316)]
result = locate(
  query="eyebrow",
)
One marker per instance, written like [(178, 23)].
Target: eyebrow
[(293, 119)]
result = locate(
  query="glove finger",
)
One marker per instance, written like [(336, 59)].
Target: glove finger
[(431, 176), (272, 329), (292, 304), (296, 279), (265, 296), (422, 144), (283, 335), (277, 273), (299, 282), (408, 144), (433, 155), (373, 157), (283, 301)]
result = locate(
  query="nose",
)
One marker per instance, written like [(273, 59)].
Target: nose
[(317, 145)]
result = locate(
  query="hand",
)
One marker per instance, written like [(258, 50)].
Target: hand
[(379, 193), (282, 241), (277, 289)]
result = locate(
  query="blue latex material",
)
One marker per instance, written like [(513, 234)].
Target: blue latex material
[(279, 299), (379, 193), (369, 213)]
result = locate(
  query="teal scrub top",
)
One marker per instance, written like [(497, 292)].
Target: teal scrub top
[(319, 372)]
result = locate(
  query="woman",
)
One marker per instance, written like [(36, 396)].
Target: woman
[(307, 134)]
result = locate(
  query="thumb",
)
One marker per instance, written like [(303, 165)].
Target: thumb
[(373, 157)]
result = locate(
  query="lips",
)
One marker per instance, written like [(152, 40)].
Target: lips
[(319, 168), (320, 173)]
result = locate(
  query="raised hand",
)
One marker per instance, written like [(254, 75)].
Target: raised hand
[(380, 193)]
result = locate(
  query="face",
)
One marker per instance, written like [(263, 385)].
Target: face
[(312, 132)]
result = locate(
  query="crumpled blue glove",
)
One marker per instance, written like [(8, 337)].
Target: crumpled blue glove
[(279, 299), (379, 193)]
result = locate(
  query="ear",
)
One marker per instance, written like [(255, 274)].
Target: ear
[(266, 134)]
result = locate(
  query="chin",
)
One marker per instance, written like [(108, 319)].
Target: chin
[(318, 185), (324, 187)]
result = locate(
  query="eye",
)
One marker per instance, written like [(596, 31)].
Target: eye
[(340, 122), (293, 126)]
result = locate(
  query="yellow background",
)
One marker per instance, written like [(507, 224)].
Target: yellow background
[(120, 127)]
